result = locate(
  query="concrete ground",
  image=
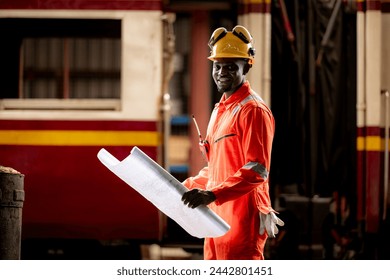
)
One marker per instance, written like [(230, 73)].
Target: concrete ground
[(157, 252)]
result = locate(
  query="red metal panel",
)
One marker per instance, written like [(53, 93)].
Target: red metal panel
[(360, 6), (78, 125), (246, 7), (370, 170), (374, 182), (373, 5), (82, 4), (360, 179), (70, 194), (374, 169)]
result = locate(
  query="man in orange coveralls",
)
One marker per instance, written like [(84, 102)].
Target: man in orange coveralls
[(238, 149)]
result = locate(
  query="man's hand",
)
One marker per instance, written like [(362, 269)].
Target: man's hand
[(196, 197), (268, 223)]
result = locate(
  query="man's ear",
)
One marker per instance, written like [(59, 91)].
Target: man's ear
[(247, 67)]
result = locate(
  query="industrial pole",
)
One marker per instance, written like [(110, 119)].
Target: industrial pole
[(11, 204)]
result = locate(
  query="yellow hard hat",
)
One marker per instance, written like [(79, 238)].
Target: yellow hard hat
[(237, 43)]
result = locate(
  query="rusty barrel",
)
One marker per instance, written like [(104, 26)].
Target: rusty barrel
[(11, 204)]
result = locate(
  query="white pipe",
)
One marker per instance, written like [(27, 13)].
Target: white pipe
[(361, 85)]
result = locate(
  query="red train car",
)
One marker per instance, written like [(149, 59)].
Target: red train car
[(81, 76)]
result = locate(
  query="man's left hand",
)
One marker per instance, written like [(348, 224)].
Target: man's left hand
[(268, 223), (196, 197)]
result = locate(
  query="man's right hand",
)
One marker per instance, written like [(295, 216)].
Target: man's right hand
[(196, 197)]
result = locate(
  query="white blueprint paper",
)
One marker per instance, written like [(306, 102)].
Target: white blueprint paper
[(163, 190)]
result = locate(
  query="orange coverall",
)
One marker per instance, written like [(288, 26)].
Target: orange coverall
[(240, 134)]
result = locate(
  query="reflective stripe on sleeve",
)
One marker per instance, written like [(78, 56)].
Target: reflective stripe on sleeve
[(258, 168)]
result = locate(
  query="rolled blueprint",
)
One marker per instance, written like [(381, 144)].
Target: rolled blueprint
[(164, 191)]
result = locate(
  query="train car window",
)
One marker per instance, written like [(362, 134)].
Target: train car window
[(60, 58), (70, 68)]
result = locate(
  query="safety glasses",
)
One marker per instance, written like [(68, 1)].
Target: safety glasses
[(239, 31)]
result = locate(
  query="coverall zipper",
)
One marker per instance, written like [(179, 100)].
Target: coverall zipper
[(225, 136)]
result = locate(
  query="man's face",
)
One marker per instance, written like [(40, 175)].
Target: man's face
[(229, 74)]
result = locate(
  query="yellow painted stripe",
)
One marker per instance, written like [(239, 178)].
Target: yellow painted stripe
[(370, 143), (79, 138), (257, 1)]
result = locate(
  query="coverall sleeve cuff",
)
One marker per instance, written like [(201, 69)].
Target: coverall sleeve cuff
[(218, 201), (267, 209), (191, 184)]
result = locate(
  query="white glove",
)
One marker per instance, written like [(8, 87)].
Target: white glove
[(268, 223)]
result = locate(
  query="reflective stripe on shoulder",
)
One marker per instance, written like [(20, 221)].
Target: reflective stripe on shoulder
[(256, 96), (252, 96), (242, 103), (258, 168)]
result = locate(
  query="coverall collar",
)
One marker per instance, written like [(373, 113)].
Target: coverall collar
[(235, 97)]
